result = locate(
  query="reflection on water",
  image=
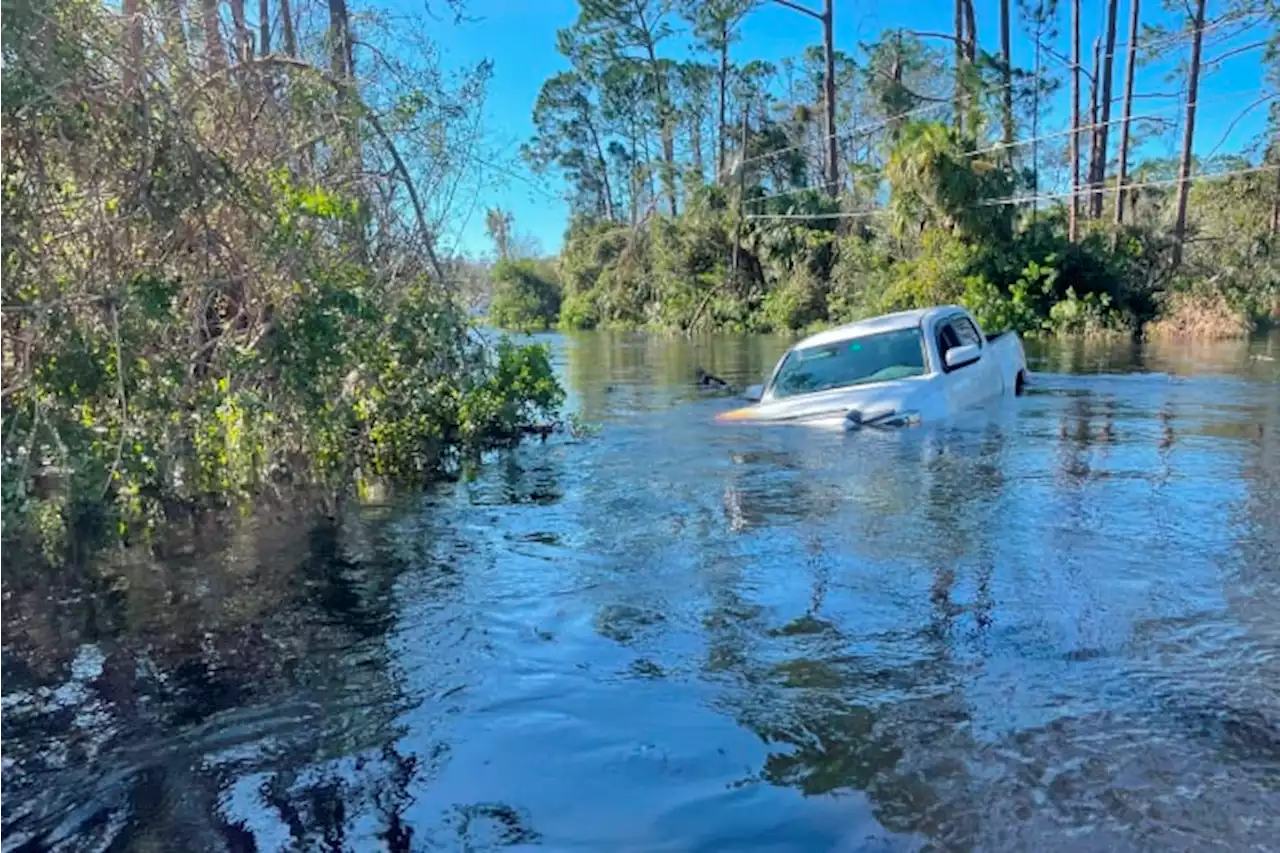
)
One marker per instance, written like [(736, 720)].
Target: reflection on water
[(1047, 626)]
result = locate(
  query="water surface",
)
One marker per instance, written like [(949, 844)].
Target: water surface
[(1050, 626)]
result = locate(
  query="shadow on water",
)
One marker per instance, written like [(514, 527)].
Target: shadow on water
[(1046, 626)]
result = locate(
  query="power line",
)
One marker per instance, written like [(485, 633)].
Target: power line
[(1222, 96), (1106, 187), (1017, 200), (847, 133), (1171, 38)]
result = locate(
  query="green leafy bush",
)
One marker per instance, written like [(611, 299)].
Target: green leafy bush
[(523, 297)]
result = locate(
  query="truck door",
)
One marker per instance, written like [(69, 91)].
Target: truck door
[(971, 383)]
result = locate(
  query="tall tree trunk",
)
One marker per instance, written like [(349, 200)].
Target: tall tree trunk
[(1093, 121), (829, 101), (131, 14), (243, 40), (1188, 135), (723, 84), (1130, 68), (646, 157), (175, 37), (604, 173), (1035, 131), (695, 143), (665, 130), (342, 64), (1006, 61), (1101, 132), (1275, 207), (214, 54), (286, 29), (971, 46), (264, 27), (340, 48), (957, 97), (1073, 225)]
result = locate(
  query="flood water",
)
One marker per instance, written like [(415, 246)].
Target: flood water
[(1050, 626)]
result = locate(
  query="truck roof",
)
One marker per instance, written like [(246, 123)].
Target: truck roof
[(874, 325)]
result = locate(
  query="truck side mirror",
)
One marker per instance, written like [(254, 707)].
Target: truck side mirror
[(962, 355)]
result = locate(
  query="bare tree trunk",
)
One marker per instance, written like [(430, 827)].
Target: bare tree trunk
[(1275, 208), (243, 39), (264, 27), (604, 174), (1188, 135), (1104, 115), (175, 38), (342, 63), (1035, 128), (958, 96), (971, 47), (1130, 68), (666, 132), (214, 54), (829, 99), (695, 143), (340, 50), (1073, 225), (1006, 58), (286, 29), (1093, 122), (742, 191), (723, 83), (131, 13)]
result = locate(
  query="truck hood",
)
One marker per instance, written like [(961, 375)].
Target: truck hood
[(833, 406)]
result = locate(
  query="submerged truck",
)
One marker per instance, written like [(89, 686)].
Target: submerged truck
[(894, 370)]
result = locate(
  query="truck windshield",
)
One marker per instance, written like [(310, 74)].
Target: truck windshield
[(874, 358)]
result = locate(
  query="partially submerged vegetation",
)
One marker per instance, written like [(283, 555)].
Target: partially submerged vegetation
[(703, 195), (220, 269)]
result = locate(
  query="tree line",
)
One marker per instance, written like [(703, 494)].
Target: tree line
[(221, 264), (711, 189)]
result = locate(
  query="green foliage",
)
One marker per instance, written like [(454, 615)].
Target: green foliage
[(799, 302), (926, 211), (995, 309), (1091, 314), (523, 298), (521, 389), (940, 182), (189, 319)]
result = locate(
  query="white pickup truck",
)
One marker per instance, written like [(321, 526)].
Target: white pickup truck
[(894, 370)]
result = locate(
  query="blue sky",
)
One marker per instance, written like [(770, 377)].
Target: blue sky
[(519, 36)]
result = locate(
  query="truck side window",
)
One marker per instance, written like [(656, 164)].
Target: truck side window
[(965, 332), (955, 332), (946, 340)]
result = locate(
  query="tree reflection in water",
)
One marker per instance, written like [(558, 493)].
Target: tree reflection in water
[(132, 739)]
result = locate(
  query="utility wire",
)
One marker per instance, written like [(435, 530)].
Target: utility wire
[(1110, 188), (1171, 38), (1016, 200), (1221, 96)]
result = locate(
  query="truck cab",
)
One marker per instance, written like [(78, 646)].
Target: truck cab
[(902, 367)]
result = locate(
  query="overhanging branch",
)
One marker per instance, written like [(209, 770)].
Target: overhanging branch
[(428, 236), (801, 9)]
